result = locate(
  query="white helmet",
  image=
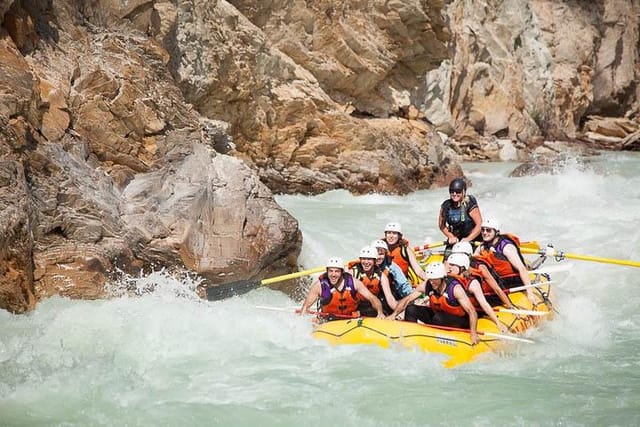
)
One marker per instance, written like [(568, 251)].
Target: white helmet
[(462, 248), (459, 259), (380, 244), (335, 262), (435, 270), (368, 252), (491, 223), (393, 226)]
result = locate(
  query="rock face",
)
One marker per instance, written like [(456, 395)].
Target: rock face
[(299, 81), (141, 133), (106, 168), (525, 69)]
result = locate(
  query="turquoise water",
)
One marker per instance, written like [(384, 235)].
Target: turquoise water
[(168, 358)]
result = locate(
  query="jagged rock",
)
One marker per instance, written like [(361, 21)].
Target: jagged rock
[(293, 123), (122, 176), (17, 218), (108, 107), (523, 69)]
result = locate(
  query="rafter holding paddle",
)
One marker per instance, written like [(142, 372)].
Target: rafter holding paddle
[(239, 287)]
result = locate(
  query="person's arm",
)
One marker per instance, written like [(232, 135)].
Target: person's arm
[(511, 252), (476, 216), (476, 290), (404, 302), (415, 265), (463, 299), (442, 224), (312, 297), (366, 293), (386, 290), (493, 284), (401, 283)]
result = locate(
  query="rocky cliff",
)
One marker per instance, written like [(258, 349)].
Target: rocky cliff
[(141, 134)]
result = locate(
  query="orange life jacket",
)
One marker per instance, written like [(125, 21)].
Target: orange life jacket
[(333, 301), (372, 282), (399, 254), (493, 255), (446, 301), (476, 273)]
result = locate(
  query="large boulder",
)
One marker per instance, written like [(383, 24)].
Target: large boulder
[(106, 170)]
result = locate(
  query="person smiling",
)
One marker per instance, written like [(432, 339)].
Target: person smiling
[(338, 292), (402, 254), (460, 218), (376, 280)]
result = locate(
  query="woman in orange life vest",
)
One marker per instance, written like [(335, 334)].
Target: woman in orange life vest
[(448, 303), (376, 280), (501, 253), (460, 218), (338, 293), (402, 254), (487, 281), (458, 267)]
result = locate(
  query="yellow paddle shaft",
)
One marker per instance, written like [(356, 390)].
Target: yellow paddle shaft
[(585, 257), (293, 275)]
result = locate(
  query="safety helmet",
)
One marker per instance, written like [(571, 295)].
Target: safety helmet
[(380, 244), (435, 270), (335, 262), (491, 223), (458, 184), (459, 259), (463, 248), (368, 252), (393, 226)]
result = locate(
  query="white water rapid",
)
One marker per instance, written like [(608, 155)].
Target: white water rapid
[(168, 358)]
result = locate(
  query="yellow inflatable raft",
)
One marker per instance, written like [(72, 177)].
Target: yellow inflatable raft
[(452, 342)]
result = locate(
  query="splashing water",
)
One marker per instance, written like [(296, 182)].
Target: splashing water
[(156, 354)]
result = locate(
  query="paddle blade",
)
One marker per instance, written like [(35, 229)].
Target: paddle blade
[(228, 290)]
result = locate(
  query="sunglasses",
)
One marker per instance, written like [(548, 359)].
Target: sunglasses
[(486, 229), (455, 192)]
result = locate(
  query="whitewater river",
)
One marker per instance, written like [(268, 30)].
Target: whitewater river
[(168, 358)]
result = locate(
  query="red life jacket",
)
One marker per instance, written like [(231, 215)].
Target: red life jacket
[(446, 301)]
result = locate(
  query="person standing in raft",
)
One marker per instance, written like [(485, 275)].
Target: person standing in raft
[(448, 303), (376, 280), (501, 252), (338, 293), (460, 218), (402, 254)]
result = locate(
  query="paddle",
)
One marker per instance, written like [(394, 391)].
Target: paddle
[(549, 251), (448, 328), (489, 334), (528, 245), (429, 246), (297, 311), (521, 312), (522, 288), (227, 290)]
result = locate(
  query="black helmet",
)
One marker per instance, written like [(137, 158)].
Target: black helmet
[(458, 184)]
